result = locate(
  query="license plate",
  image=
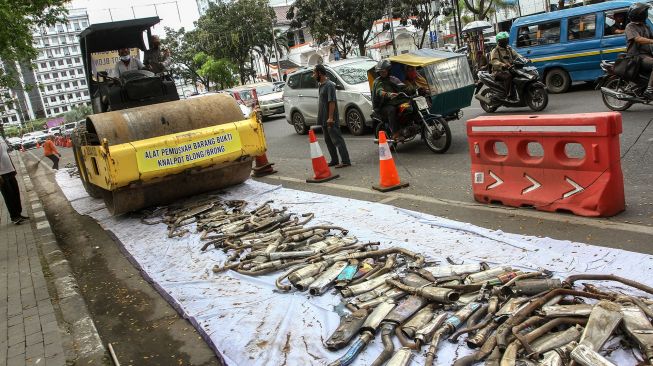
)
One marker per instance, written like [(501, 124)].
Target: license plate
[(421, 103)]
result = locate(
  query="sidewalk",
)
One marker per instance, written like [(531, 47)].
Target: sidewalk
[(29, 332), (41, 322)]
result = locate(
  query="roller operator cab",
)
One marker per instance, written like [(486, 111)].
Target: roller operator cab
[(145, 147)]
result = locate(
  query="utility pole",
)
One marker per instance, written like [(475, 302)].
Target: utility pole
[(392, 28), (456, 19), (276, 52)]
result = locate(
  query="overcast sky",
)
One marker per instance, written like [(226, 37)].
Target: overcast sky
[(98, 11)]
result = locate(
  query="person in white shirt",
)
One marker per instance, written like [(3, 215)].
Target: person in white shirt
[(127, 62), (9, 185)]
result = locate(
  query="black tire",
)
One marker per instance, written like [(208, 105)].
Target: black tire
[(440, 144), (615, 83), (380, 126), (537, 98), (355, 121), (77, 138), (489, 108), (557, 81), (299, 123)]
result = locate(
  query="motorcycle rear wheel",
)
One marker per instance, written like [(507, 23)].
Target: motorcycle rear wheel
[(537, 98), (489, 108), (438, 144), (615, 83)]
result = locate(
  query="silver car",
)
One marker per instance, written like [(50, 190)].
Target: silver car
[(353, 93)]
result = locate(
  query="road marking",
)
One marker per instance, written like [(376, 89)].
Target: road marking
[(540, 215), (388, 199)]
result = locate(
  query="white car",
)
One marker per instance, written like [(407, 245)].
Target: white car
[(55, 130), (69, 127), (270, 99), (353, 94), (14, 142)]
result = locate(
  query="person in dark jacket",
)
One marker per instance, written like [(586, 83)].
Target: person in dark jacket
[(640, 40), (9, 185)]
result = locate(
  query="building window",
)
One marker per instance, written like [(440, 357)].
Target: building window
[(14, 119), (58, 86), (64, 74), (62, 97), (78, 60), (79, 95), (74, 83), (80, 72), (50, 88), (67, 85), (56, 110), (60, 28), (43, 65), (52, 64), (64, 108), (83, 82), (69, 61), (53, 99), (60, 62), (46, 76), (84, 23)]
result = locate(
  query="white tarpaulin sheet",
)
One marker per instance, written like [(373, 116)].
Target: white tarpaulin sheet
[(248, 323)]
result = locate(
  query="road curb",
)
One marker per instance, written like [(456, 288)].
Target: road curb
[(82, 343)]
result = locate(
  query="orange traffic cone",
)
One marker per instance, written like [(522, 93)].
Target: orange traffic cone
[(263, 167), (38, 146), (389, 177), (22, 148), (69, 142), (320, 166)]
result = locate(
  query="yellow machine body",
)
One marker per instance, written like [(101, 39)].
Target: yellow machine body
[(155, 154)]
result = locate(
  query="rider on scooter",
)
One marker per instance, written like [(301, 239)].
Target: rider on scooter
[(501, 59), (640, 41), (386, 89)]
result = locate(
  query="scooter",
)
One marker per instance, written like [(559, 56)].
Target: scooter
[(619, 94), (415, 118), (526, 82)]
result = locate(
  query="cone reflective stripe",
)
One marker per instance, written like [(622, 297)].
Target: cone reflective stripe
[(263, 167), (22, 148), (320, 166), (389, 178)]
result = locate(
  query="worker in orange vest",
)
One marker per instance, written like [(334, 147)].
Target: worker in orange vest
[(50, 152)]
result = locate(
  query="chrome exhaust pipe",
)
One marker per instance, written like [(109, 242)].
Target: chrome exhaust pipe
[(586, 356), (418, 321), (424, 333), (603, 321), (559, 356), (556, 340), (349, 326), (487, 275), (376, 317), (324, 281), (453, 270), (554, 311), (360, 288), (401, 357), (305, 272), (639, 328), (617, 95)]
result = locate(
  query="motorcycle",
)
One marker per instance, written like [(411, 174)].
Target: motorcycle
[(415, 119), (530, 91), (619, 94)]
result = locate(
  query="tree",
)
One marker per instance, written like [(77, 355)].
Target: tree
[(269, 51), (326, 21), (484, 8), (220, 71), (422, 14), (78, 113), (19, 19), (232, 30), (183, 47)]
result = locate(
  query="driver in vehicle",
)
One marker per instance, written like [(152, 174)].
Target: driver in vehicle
[(157, 59), (501, 58), (386, 89), (127, 62), (640, 41), (416, 82)]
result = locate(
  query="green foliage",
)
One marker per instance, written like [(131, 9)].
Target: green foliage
[(327, 21), (423, 14), (220, 71), (78, 113), (19, 19), (183, 47), (233, 30)]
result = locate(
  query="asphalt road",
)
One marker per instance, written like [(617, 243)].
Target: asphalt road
[(444, 180)]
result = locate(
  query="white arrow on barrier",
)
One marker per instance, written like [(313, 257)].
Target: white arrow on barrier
[(498, 182), (535, 184), (577, 188)]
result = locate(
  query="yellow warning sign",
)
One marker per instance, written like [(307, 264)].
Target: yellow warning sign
[(187, 153)]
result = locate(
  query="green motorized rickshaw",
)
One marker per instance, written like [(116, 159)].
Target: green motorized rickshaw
[(450, 89)]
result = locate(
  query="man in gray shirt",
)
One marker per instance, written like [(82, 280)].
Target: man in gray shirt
[(327, 117), (9, 185), (640, 39)]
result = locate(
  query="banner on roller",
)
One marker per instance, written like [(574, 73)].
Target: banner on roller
[(180, 153)]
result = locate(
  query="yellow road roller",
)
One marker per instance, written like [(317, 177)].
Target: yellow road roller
[(143, 146)]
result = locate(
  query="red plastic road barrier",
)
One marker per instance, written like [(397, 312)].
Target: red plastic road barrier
[(567, 162)]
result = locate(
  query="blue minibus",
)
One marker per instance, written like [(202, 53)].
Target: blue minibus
[(568, 45)]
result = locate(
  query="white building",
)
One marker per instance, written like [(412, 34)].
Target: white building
[(59, 65), (9, 113)]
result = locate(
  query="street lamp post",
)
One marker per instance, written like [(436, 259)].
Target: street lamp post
[(276, 52)]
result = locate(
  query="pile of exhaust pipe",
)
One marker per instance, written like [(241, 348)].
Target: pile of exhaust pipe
[(506, 316)]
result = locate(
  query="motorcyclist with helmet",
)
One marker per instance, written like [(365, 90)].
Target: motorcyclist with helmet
[(640, 39), (386, 89), (501, 60)]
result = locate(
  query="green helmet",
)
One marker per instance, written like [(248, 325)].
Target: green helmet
[(502, 35)]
